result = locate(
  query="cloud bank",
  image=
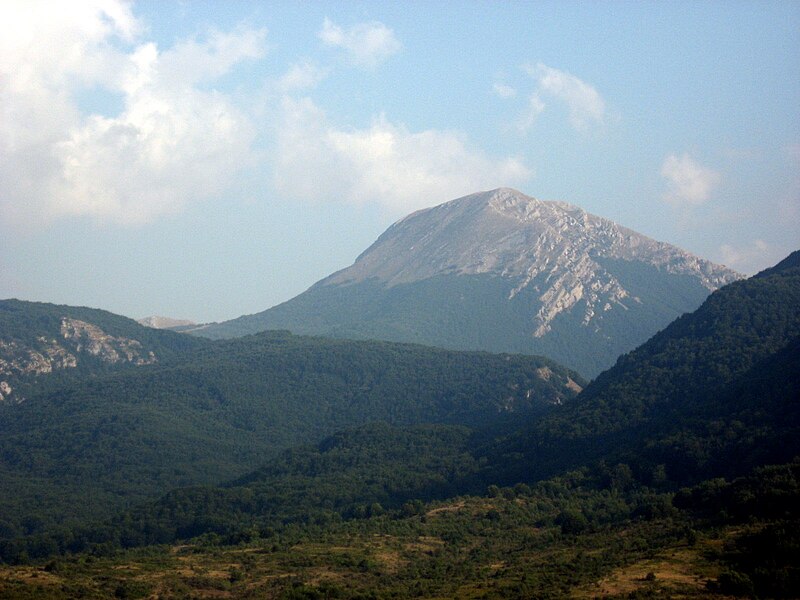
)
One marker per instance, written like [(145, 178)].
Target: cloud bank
[(174, 137), (406, 170), (174, 141)]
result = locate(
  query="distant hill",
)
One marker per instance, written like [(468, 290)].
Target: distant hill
[(502, 272), (96, 443), (39, 340), (166, 323)]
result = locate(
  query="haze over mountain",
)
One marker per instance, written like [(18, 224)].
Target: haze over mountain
[(501, 271)]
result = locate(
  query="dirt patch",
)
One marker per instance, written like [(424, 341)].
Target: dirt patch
[(445, 509), (391, 561), (30, 576), (573, 386), (675, 571), (424, 544), (318, 575)]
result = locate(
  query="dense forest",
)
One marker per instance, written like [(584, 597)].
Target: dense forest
[(714, 393), (444, 474), (81, 448)]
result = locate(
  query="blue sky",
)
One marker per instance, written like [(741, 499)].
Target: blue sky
[(204, 160)]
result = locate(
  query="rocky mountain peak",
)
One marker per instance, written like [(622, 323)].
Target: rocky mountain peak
[(554, 248), (504, 272), (157, 322)]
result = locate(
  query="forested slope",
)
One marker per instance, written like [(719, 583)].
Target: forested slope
[(225, 408), (715, 387)]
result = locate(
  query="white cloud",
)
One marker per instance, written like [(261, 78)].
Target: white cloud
[(503, 91), (367, 44), (586, 106), (193, 61), (301, 76), (171, 143), (747, 259), (384, 163), (689, 182), (533, 110)]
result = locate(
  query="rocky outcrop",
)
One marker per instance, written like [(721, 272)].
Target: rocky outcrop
[(43, 355), (5, 390), (554, 248), (88, 338)]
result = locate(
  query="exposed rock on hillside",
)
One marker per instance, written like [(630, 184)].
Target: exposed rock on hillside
[(45, 355), (502, 271)]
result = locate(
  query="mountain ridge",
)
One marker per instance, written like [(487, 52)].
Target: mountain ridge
[(545, 218), (502, 272), (200, 415), (40, 341)]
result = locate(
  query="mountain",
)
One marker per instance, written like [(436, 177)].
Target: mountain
[(39, 341), (165, 323), (86, 443), (502, 272), (714, 394), (585, 500), (717, 393)]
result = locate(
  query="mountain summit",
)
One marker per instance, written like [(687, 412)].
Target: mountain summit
[(554, 248), (502, 271)]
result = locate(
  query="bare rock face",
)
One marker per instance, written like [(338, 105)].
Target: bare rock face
[(44, 355), (85, 337), (502, 272), (157, 322), (20, 359), (552, 247)]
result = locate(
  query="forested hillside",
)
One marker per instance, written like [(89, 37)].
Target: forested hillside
[(508, 490), (225, 408), (43, 346), (714, 393)]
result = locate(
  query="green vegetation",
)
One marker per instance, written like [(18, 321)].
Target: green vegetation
[(715, 393), (87, 449), (480, 312), (565, 537), (676, 473)]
